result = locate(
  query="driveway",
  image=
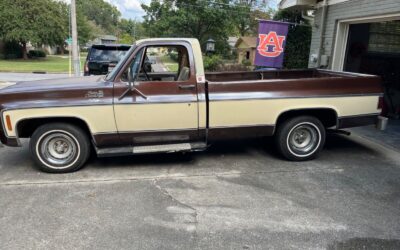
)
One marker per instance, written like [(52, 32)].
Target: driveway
[(234, 196)]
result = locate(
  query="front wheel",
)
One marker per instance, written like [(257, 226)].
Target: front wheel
[(59, 147), (300, 138)]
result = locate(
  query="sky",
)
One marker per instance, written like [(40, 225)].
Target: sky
[(131, 9)]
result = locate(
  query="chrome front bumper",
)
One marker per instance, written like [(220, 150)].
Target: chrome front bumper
[(381, 123)]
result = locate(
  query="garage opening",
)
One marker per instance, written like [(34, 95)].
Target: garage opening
[(374, 48)]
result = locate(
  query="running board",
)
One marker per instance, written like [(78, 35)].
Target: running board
[(165, 148), (169, 148)]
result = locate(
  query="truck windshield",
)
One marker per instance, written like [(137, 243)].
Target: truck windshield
[(121, 62)]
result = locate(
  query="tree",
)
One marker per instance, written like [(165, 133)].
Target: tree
[(39, 22), (102, 13), (202, 19), (132, 28), (85, 28), (298, 39), (246, 15), (125, 39)]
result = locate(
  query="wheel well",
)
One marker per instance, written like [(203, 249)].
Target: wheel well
[(25, 128), (327, 116)]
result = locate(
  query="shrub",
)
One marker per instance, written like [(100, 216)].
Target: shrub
[(298, 40), (246, 62), (173, 56), (211, 63), (232, 67), (36, 54), (12, 50)]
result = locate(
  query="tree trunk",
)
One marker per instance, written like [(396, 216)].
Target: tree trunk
[(24, 51), (62, 49)]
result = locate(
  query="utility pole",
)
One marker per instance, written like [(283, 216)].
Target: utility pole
[(134, 30), (75, 50)]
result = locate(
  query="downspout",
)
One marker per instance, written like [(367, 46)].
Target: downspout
[(322, 33)]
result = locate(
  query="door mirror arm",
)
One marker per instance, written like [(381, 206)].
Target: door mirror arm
[(131, 87)]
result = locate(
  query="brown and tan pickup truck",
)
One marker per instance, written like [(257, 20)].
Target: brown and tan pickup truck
[(158, 99)]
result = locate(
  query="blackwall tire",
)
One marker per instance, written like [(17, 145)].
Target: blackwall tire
[(59, 148), (300, 138)]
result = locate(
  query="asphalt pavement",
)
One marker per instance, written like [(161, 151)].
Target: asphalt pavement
[(236, 195)]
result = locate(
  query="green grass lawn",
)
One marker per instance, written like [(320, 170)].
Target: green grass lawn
[(50, 64)]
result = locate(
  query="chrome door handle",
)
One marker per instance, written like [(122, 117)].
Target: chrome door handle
[(185, 86)]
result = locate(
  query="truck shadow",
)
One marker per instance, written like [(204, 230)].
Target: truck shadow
[(335, 146)]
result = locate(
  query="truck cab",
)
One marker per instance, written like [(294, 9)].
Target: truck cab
[(161, 102)]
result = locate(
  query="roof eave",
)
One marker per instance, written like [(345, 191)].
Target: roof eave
[(297, 4)]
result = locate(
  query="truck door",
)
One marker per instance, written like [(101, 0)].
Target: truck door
[(162, 106)]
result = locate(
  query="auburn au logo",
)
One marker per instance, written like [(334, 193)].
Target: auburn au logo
[(270, 45)]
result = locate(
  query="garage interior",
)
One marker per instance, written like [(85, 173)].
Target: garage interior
[(374, 48)]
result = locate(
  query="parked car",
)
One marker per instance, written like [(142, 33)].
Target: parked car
[(171, 105), (101, 59)]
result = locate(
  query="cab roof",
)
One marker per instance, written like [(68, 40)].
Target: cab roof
[(189, 40)]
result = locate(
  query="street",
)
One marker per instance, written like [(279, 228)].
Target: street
[(234, 196), (16, 77)]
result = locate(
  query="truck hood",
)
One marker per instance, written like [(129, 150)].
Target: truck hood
[(57, 92), (53, 85)]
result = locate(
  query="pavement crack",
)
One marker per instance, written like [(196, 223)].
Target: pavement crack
[(165, 192), (193, 225)]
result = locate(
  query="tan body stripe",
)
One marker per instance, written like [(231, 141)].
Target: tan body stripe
[(142, 117), (98, 118), (257, 112), (176, 116)]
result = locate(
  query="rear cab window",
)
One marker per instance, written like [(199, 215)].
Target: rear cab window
[(107, 53)]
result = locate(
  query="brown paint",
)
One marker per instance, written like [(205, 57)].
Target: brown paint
[(334, 85), (356, 121), (240, 132), (145, 138), (220, 86)]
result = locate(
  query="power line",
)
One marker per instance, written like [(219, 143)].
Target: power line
[(233, 5)]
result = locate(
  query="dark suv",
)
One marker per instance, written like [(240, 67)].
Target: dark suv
[(102, 58)]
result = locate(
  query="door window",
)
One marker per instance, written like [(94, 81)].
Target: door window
[(161, 63)]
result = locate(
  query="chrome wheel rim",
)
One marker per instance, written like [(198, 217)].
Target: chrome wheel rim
[(58, 149), (304, 139)]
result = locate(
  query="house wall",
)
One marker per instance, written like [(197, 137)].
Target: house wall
[(345, 10), (242, 55)]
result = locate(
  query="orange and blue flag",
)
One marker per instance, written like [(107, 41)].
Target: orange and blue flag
[(271, 43)]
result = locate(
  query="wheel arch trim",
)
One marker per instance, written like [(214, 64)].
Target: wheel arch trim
[(307, 109), (76, 118)]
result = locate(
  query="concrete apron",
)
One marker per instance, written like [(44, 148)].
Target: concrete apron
[(388, 138)]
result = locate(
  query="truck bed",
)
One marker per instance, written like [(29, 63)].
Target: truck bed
[(279, 75), (254, 101)]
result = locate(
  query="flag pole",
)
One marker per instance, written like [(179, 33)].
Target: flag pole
[(290, 23)]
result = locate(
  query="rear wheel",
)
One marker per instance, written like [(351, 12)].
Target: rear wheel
[(300, 138), (59, 147)]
